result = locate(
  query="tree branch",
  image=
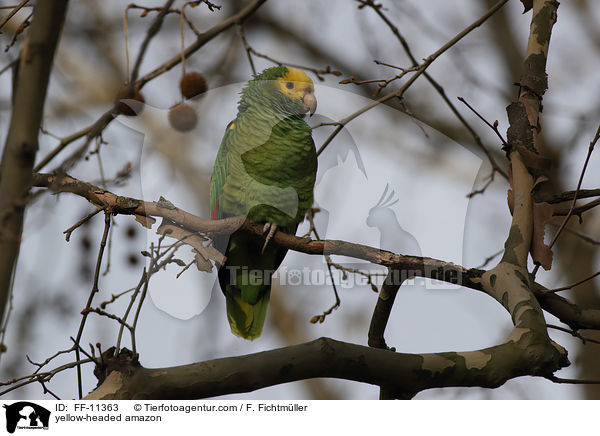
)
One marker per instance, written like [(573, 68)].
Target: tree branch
[(205, 37), (509, 282), (440, 90), (21, 145), (106, 118), (145, 212), (383, 308), (418, 72), (402, 374)]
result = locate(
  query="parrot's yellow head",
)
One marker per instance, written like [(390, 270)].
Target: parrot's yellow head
[(287, 90), (296, 85)]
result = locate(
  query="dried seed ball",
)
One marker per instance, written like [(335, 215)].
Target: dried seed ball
[(131, 232), (192, 84), (132, 259), (86, 243), (183, 117), (85, 272), (130, 102)]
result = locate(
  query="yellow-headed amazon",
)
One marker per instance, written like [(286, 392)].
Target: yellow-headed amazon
[(265, 169)]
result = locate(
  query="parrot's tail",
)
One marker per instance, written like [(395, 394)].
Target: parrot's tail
[(247, 320)]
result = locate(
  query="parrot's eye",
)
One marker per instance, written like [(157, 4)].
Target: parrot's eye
[(289, 85)]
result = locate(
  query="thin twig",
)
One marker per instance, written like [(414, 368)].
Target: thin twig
[(381, 83), (182, 38), (12, 13), (369, 276), (48, 391), (109, 315), (61, 145), (108, 251), (493, 126), (13, 6), (335, 123), (580, 235), (240, 30), (155, 256), (573, 381), (490, 258), (80, 222), (564, 288), (126, 32), (107, 220), (20, 29), (137, 312), (114, 298), (573, 333), (129, 306), (9, 66), (423, 66), (9, 311), (251, 51), (85, 353), (573, 210), (487, 184), (32, 378), (388, 65), (201, 41), (48, 360), (320, 318), (440, 90), (587, 159), (152, 31), (185, 268), (146, 9)]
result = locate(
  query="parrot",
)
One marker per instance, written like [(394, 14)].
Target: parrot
[(265, 169)]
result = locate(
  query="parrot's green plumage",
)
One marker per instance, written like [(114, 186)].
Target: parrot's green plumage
[(265, 169)]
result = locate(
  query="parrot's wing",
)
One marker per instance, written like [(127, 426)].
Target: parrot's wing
[(219, 174)]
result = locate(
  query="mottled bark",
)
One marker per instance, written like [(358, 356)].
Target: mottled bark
[(402, 374), (31, 83)]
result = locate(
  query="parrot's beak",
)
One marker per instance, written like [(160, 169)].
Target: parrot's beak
[(310, 102)]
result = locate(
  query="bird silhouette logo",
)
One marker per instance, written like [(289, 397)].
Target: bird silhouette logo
[(392, 236)]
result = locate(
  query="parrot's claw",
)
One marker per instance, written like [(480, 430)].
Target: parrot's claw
[(271, 229)]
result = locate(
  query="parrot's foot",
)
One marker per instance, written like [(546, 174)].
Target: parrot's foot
[(271, 229)]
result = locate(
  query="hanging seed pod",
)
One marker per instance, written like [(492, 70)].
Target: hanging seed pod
[(130, 102), (192, 84), (183, 117)]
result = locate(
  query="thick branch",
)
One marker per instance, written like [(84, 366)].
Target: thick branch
[(402, 265), (509, 282), (383, 308), (34, 67), (401, 373), (432, 268)]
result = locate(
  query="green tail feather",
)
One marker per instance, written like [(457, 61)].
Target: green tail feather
[(247, 320)]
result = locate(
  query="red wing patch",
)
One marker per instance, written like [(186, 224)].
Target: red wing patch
[(213, 216)]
